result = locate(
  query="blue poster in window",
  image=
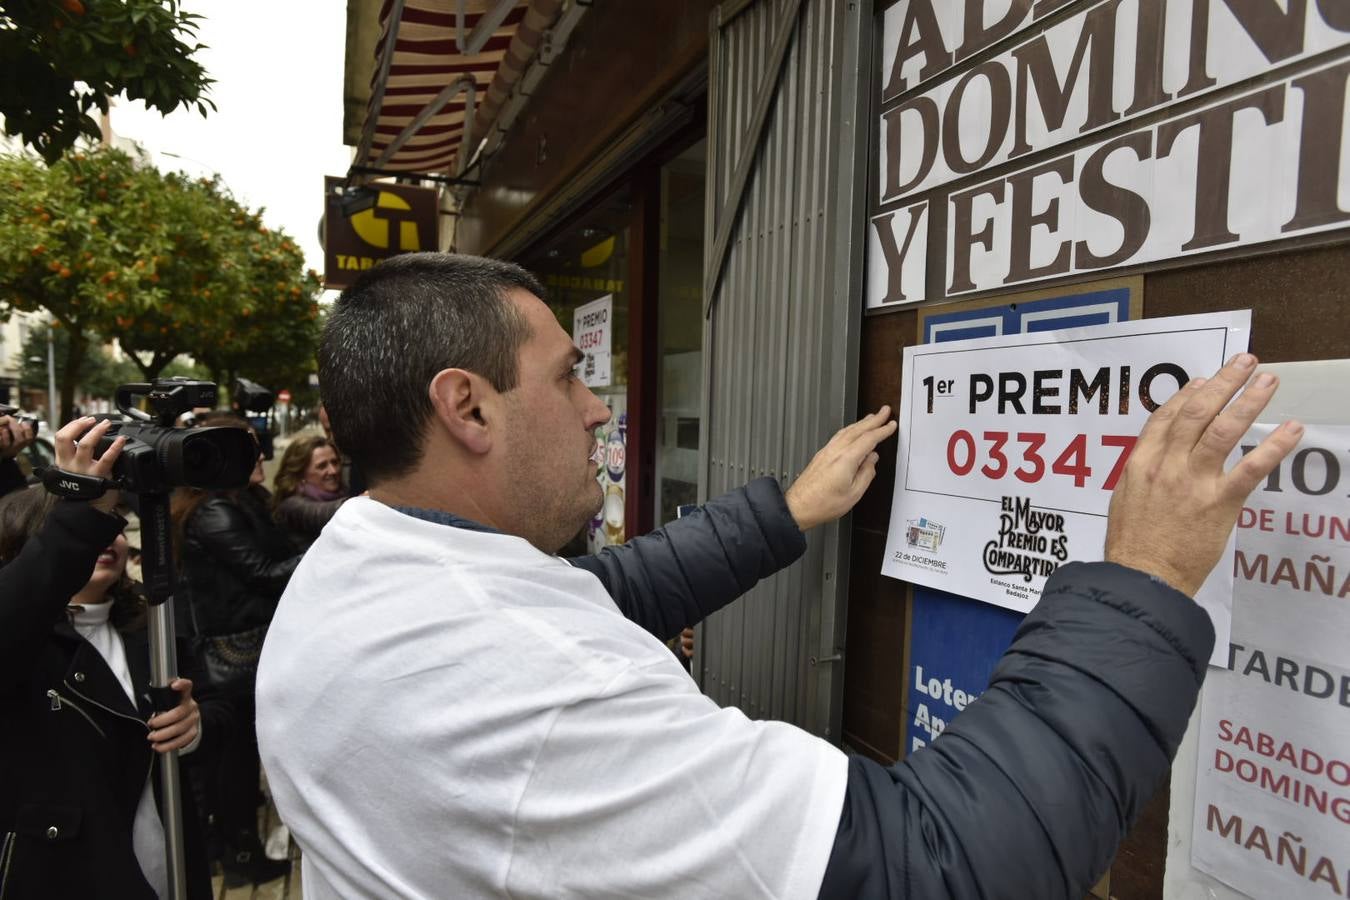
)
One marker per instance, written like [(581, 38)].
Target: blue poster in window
[(955, 642)]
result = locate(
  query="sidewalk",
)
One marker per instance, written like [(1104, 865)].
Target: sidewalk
[(287, 888)]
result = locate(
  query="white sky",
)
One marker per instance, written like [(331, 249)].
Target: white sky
[(277, 129)]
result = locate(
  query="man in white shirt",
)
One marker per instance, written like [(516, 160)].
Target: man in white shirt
[(447, 709)]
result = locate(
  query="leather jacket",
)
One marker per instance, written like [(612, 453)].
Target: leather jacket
[(234, 563), (74, 757)]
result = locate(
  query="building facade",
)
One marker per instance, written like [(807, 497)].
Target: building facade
[(770, 198)]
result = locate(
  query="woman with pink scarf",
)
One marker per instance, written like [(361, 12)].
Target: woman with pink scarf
[(308, 489)]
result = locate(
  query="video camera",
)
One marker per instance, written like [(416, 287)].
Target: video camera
[(252, 397), (158, 457), (7, 410), (254, 402)]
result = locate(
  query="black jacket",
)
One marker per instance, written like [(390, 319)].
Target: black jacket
[(74, 757), (1028, 793), (11, 476), (233, 565), (1031, 789), (682, 573)]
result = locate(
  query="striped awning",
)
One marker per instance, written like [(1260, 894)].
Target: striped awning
[(434, 65)]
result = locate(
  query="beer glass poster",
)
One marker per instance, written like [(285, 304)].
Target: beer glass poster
[(1010, 446)]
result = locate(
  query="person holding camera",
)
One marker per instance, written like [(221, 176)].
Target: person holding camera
[(234, 562), (307, 490), (15, 436), (79, 785)]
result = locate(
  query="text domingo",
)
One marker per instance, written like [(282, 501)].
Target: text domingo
[(1300, 765)]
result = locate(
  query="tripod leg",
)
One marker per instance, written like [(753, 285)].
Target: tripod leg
[(163, 669), (157, 566)]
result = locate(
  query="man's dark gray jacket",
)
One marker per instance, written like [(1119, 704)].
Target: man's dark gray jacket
[(1026, 794)]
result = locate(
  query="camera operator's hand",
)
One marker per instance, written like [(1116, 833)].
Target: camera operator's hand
[(175, 728), (75, 444), (1174, 507), (14, 436)]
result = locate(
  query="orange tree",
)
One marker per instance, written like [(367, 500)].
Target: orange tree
[(164, 264), (220, 286), (62, 59), (273, 329), (69, 244)]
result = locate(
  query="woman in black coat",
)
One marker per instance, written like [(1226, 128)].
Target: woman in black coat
[(234, 562), (79, 785), (307, 490)]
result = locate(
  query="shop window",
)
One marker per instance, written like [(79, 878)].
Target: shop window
[(585, 270), (680, 318)]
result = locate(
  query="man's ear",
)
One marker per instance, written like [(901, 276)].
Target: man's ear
[(459, 399)]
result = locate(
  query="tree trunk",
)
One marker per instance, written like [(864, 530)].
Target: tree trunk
[(76, 352), (149, 370)]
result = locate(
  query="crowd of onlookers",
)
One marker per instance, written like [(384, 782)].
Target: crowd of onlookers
[(81, 784), (79, 778)]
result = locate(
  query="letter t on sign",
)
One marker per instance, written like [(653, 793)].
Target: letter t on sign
[(897, 257)]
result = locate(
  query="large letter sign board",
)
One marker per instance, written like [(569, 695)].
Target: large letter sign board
[(402, 219), (1272, 799), (1010, 446), (1016, 143)]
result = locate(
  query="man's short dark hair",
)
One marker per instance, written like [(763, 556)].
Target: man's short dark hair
[(390, 333)]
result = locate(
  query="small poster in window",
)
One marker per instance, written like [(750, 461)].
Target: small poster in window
[(593, 333)]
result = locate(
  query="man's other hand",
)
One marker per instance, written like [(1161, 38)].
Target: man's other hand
[(14, 436), (1174, 507), (840, 472)]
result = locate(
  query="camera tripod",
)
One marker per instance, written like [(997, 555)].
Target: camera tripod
[(157, 457), (157, 568)]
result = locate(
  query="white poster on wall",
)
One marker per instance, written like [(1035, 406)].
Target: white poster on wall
[(1010, 446), (593, 333), (1302, 395), (1272, 798)]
